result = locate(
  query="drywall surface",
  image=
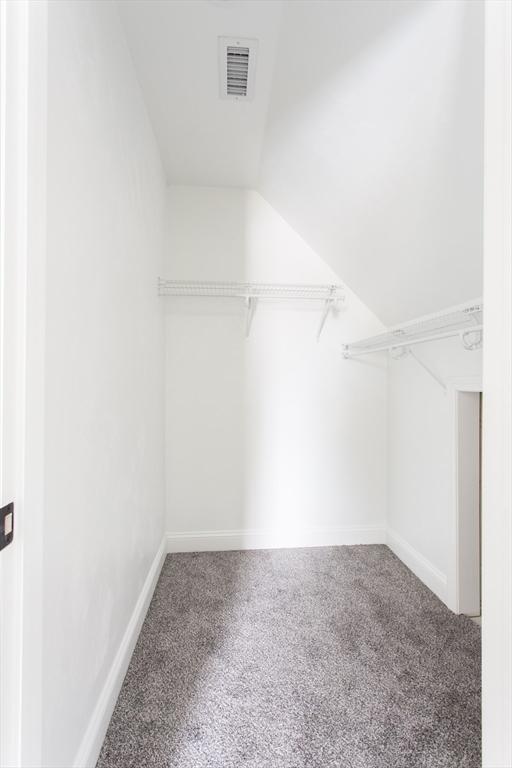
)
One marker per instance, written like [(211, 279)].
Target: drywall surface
[(104, 485), (204, 139), (365, 132), (374, 150), (421, 460), (274, 438)]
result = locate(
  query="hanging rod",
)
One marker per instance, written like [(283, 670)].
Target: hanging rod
[(331, 295), (465, 321)]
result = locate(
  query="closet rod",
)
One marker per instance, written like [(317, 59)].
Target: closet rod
[(464, 321), (411, 342)]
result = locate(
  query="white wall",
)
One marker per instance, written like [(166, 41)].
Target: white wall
[(104, 487), (274, 439), (421, 470), (373, 146)]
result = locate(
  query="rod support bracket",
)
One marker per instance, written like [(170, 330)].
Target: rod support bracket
[(472, 340), (329, 305), (250, 308), (433, 375)]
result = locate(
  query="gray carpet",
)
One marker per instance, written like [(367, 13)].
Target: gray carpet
[(303, 658)]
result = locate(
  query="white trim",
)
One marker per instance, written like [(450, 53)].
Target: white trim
[(497, 407), (467, 511), (25, 230), (90, 746), (455, 385), (34, 309), (212, 541), (465, 383), (425, 570)]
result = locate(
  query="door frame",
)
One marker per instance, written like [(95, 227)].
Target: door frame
[(24, 25), (13, 19), (497, 422), (455, 386)]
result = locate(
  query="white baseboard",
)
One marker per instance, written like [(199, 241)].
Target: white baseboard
[(425, 570), (214, 541), (90, 747)]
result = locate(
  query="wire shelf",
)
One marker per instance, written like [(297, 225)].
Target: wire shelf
[(458, 321), (250, 290), (251, 293)]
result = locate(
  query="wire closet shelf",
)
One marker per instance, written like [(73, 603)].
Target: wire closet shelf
[(251, 293), (465, 321), (247, 290)]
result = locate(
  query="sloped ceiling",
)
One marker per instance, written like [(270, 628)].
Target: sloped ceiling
[(365, 133), (373, 149), (204, 140)]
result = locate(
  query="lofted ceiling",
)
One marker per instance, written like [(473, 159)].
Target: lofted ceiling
[(365, 132), (203, 139)]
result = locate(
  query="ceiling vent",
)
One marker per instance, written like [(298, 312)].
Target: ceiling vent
[(237, 67)]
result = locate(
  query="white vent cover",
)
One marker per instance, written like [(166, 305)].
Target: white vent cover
[(237, 67)]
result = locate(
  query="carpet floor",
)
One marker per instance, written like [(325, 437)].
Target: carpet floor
[(303, 658)]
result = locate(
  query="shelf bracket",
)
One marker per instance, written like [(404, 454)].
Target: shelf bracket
[(250, 308), (399, 353), (429, 370), (329, 305)]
